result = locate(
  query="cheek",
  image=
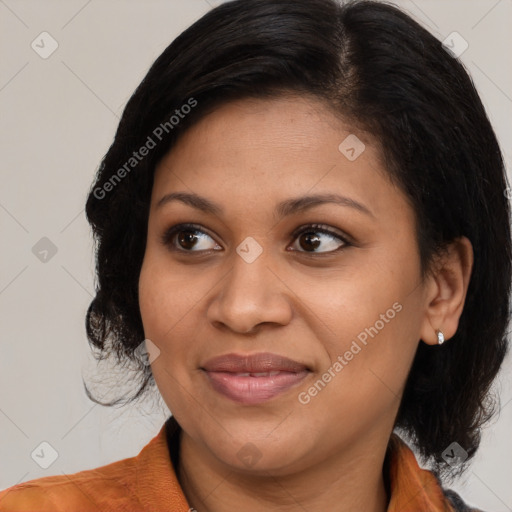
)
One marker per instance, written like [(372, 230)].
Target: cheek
[(161, 305), (366, 354), (369, 317), (165, 294), (171, 303), (352, 300), (152, 299), (165, 308)]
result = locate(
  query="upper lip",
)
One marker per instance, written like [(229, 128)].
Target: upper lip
[(254, 363)]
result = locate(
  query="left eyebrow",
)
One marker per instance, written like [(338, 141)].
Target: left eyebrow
[(299, 204), (283, 209)]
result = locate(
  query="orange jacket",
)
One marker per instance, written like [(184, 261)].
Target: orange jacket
[(148, 483)]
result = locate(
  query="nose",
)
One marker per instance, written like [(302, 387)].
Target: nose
[(249, 295)]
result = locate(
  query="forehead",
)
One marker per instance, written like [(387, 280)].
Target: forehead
[(263, 150)]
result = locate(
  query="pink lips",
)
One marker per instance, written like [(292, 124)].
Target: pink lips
[(255, 378)]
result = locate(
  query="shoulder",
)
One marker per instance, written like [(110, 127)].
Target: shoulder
[(94, 489), (406, 477), (144, 482)]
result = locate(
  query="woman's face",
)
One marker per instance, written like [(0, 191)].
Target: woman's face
[(343, 300)]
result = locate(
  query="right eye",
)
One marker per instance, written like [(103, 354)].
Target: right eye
[(188, 238)]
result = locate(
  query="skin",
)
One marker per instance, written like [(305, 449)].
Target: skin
[(303, 303)]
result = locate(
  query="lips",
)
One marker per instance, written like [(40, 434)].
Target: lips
[(253, 379), (255, 363)]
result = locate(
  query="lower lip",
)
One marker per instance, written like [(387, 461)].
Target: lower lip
[(253, 390)]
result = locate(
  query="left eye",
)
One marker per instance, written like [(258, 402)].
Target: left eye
[(316, 235), (191, 238)]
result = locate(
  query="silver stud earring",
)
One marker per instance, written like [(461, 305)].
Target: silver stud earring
[(440, 337)]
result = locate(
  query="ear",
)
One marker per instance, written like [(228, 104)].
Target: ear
[(446, 291)]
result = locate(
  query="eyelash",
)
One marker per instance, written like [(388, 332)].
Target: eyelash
[(168, 236)]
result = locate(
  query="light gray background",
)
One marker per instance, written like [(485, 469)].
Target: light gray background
[(58, 118)]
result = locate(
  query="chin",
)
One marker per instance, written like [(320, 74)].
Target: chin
[(262, 449)]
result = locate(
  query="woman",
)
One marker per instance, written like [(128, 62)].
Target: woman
[(303, 240)]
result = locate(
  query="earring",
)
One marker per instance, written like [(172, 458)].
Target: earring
[(440, 337)]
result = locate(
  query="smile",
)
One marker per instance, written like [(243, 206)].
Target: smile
[(253, 379)]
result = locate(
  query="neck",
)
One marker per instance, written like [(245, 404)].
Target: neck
[(348, 481)]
